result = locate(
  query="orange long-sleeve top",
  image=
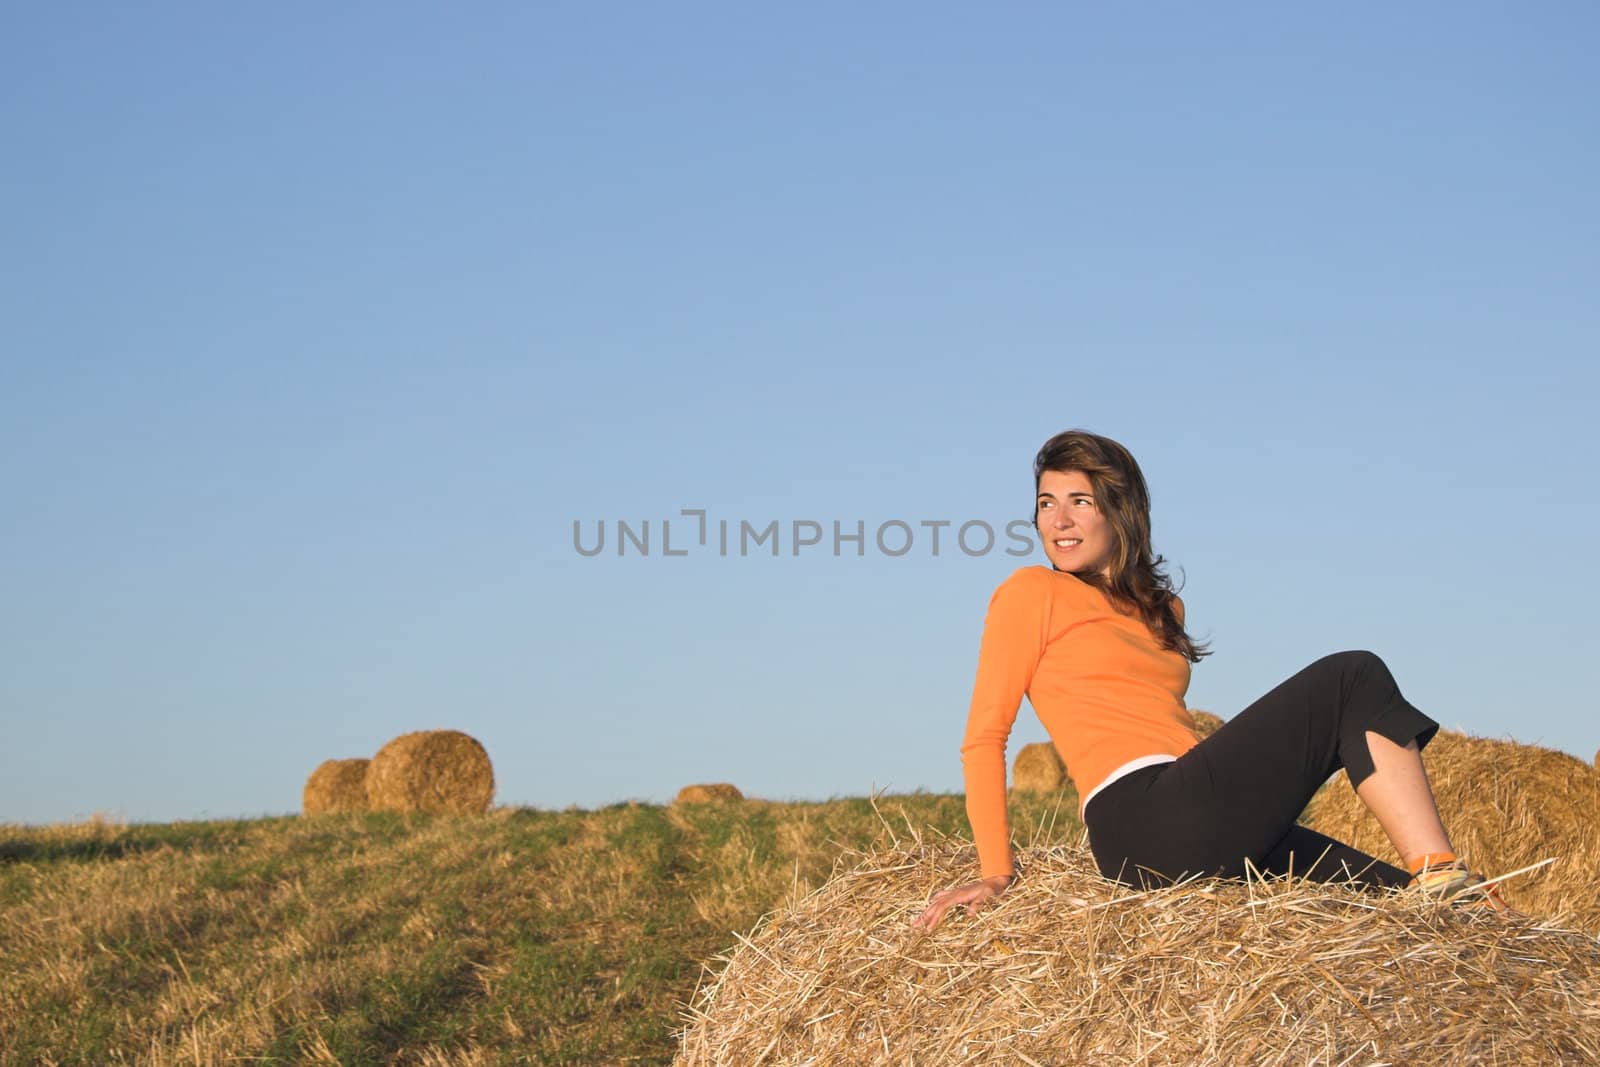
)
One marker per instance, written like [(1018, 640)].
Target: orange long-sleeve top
[(1100, 682)]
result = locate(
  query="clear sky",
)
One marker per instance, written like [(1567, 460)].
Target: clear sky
[(320, 326)]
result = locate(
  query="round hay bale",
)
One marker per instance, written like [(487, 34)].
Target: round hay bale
[(1070, 968), (1038, 769), (336, 785), (441, 771), (709, 792), (1505, 805), (1205, 723)]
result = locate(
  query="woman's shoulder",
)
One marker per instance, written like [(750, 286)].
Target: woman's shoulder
[(1038, 580), (1029, 577)]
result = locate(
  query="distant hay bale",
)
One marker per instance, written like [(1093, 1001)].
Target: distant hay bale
[(441, 771), (1205, 723), (711, 791), (1038, 769), (1070, 968), (1505, 805), (336, 785)]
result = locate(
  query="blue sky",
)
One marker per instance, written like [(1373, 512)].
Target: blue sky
[(320, 328)]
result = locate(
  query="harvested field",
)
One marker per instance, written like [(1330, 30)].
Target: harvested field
[(1069, 968)]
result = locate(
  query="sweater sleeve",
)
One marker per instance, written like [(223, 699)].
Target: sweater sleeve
[(1013, 642)]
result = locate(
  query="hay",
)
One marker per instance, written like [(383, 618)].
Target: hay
[(1205, 723), (442, 771), (336, 785), (711, 791), (1505, 805), (1038, 769), (1069, 968)]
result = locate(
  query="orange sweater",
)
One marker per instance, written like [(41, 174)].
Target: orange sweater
[(1100, 683)]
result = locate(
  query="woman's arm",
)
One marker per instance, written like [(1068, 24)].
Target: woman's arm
[(1013, 641)]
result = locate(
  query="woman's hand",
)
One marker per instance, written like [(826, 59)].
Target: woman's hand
[(972, 894)]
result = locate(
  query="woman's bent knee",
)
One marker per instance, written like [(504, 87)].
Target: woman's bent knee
[(1354, 660)]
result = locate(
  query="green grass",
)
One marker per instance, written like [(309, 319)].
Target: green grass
[(520, 937)]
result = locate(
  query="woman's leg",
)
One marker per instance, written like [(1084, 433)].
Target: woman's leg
[(1131, 845), (1234, 798), (1397, 793), (1308, 854)]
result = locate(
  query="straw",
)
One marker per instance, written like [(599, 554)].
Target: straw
[(1070, 968)]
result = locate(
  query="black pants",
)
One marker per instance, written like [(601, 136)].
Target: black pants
[(1236, 795)]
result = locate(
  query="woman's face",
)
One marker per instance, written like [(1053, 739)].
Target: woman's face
[(1077, 537)]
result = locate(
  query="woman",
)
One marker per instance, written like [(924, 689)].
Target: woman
[(1098, 645)]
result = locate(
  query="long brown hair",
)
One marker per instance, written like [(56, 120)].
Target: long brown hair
[(1136, 580)]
